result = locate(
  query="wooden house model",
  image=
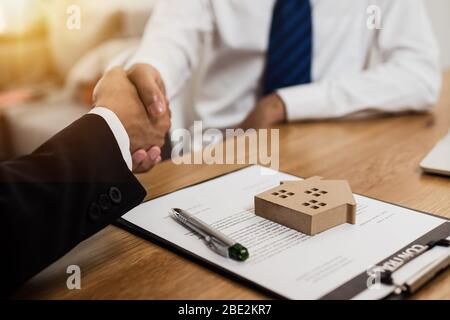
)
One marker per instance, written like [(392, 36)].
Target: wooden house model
[(309, 206)]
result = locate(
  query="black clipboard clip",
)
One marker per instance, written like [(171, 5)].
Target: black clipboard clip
[(420, 278)]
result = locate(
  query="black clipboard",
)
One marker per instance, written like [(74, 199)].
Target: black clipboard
[(345, 291)]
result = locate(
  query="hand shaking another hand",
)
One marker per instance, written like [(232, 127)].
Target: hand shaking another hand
[(152, 93), (138, 99)]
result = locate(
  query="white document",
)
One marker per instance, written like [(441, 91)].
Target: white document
[(282, 260)]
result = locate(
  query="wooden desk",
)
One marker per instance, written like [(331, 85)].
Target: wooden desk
[(380, 158)]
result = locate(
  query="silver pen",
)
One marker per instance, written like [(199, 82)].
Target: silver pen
[(214, 239)]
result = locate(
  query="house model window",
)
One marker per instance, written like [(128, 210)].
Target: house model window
[(309, 206)]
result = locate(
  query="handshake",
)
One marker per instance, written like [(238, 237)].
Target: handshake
[(138, 98)]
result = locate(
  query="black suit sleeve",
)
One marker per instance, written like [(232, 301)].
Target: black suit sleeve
[(68, 189)]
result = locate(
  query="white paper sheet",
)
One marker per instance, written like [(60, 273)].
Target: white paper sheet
[(283, 260)]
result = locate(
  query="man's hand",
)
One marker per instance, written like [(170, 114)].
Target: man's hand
[(117, 93), (270, 110), (151, 90)]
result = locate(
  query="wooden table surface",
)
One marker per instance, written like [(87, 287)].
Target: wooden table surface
[(380, 158)]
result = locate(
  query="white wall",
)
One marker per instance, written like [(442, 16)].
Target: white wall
[(439, 11)]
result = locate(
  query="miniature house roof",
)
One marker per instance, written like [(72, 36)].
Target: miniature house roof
[(309, 206), (313, 195)]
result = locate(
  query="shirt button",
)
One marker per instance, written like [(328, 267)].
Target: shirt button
[(115, 195), (95, 211), (104, 202)]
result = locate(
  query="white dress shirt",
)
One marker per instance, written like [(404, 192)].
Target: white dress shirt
[(219, 47), (118, 130)]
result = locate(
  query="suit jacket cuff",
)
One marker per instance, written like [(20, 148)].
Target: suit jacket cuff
[(119, 132)]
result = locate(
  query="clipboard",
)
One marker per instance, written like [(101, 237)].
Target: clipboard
[(423, 276), (347, 290), (358, 284)]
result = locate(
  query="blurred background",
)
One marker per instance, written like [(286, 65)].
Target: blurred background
[(53, 51)]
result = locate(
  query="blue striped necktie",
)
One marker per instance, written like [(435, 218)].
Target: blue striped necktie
[(289, 55)]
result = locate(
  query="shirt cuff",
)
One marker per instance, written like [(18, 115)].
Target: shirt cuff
[(119, 132), (306, 102)]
